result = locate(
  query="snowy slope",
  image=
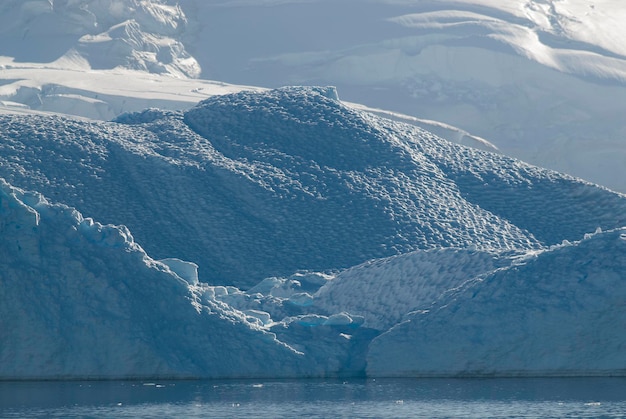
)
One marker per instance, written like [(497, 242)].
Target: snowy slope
[(252, 185), (556, 312)]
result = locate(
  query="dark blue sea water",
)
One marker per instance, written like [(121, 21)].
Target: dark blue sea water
[(351, 398)]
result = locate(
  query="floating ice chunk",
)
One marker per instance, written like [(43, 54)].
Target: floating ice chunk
[(330, 92), (185, 270), (303, 299), (311, 320), (341, 319), (263, 316)]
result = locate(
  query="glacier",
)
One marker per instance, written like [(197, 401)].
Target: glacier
[(283, 234)]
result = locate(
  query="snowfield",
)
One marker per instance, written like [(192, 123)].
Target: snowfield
[(282, 233)]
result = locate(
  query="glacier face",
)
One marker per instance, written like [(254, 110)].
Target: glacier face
[(436, 259)]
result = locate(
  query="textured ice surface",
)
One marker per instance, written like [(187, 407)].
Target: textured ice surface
[(254, 185), (431, 258), (556, 312)]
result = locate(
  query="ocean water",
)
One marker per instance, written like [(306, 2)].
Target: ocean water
[(349, 398)]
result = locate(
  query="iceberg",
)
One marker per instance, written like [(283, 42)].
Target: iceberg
[(284, 234)]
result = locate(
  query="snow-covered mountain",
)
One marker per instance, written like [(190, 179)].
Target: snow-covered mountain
[(97, 34), (459, 261), (542, 80)]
